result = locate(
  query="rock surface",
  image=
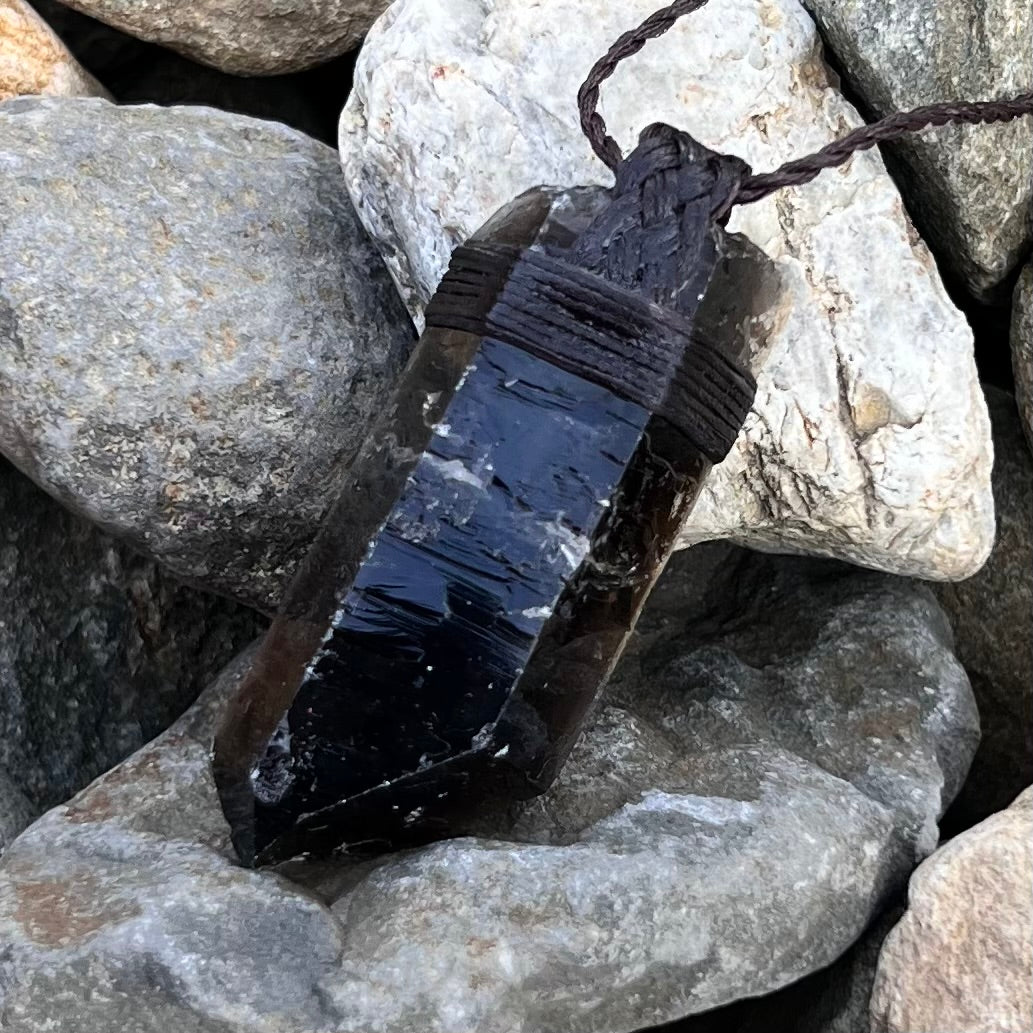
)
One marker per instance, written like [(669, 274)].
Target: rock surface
[(257, 38), (857, 447), (194, 330), (34, 61), (971, 189), (1022, 349), (99, 649), (992, 615), (16, 811), (962, 956), (834, 1000), (764, 771)]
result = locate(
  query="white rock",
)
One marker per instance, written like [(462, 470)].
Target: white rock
[(869, 439), (33, 60)]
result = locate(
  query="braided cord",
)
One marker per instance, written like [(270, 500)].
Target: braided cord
[(801, 170)]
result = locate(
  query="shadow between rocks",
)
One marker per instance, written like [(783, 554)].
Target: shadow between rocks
[(138, 72)]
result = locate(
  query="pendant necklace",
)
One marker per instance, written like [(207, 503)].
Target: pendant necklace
[(471, 589)]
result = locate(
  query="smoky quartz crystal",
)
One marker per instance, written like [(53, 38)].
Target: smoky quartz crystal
[(503, 523)]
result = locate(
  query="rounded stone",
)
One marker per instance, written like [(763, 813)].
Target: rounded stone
[(961, 958), (16, 811), (194, 330), (763, 774), (33, 60), (100, 649), (992, 616)]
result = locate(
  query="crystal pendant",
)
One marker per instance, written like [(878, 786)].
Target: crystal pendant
[(503, 523)]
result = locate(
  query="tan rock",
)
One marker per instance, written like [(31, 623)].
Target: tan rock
[(33, 60), (961, 958)]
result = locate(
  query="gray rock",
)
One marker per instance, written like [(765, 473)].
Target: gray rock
[(971, 190), (834, 1000), (257, 38), (128, 915), (99, 649), (194, 330), (992, 615), (1022, 349), (764, 772), (817, 656), (16, 811)]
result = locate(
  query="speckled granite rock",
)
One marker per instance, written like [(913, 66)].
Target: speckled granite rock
[(992, 615), (194, 330), (34, 61), (1022, 349), (257, 38), (971, 190), (961, 958), (857, 447), (765, 770), (99, 648)]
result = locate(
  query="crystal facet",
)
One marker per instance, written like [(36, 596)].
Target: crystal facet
[(505, 520)]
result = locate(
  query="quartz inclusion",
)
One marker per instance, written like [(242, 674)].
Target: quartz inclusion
[(475, 582)]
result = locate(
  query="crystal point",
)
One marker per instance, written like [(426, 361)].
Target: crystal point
[(503, 523)]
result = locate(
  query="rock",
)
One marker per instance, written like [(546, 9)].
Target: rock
[(261, 38), (136, 934), (857, 447), (137, 72), (992, 615), (194, 330), (971, 190), (763, 773), (834, 1000), (33, 59), (1022, 349), (99, 649), (15, 810), (961, 958)]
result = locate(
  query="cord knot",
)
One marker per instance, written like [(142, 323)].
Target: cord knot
[(686, 169)]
